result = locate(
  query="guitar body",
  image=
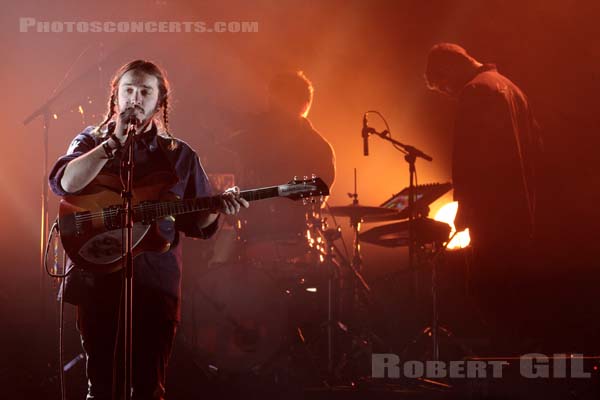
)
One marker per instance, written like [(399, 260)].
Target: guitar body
[(90, 224)]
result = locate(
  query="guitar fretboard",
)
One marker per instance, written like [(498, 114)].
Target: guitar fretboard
[(151, 211)]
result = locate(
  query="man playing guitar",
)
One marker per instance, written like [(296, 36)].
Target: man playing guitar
[(140, 97)]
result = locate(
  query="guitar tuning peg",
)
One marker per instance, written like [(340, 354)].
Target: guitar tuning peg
[(313, 176), (295, 178), (304, 201)]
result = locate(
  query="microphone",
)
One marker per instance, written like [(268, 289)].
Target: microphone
[(133, 119), (365, 135), (132, 123)]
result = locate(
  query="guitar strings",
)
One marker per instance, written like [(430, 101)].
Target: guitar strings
[(138, 208), (177, 204), (146, 207)]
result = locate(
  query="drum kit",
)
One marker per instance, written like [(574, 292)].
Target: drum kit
[(258, 316), (302, 308)]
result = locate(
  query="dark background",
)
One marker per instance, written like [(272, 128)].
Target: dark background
[(360, 55)]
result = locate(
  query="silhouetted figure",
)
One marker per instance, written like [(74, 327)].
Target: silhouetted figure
[(275, 146), (496, 146)]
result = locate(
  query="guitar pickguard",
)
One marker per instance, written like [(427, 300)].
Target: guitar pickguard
[(106, 247)]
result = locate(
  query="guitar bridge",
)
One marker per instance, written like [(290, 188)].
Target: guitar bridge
[(77, 223)]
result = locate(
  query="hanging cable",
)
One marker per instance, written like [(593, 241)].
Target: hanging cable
[(53, 230)]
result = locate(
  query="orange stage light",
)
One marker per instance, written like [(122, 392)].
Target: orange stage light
[(447, 214)]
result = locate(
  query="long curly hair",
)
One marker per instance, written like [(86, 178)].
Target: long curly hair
[(164, 92)]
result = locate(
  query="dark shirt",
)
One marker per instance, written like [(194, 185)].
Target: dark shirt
[(496, 147), (272, 149), (158, 273)]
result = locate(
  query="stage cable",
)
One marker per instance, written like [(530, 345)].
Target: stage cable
[(53, 229), (61, 320), (61, 277)]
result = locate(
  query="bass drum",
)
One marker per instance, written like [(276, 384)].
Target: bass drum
[(239, 321)]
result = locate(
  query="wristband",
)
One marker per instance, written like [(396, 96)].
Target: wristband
[(116, 140), (108, 150)]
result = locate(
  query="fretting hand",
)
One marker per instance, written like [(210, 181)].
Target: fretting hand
[(232, 202)]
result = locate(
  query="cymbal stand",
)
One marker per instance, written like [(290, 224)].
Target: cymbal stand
[(331, 256), (362, 335), (435, 328), (355, 223)]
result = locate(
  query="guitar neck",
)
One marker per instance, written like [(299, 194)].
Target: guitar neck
[(164, 208)]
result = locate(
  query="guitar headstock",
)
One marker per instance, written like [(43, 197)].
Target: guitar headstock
[(306, 188)]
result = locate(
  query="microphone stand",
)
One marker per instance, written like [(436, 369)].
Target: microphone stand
[(126, 194), (410, 155)]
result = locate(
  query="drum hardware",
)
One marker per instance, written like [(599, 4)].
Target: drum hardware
[(320, 240), (396, 234), (333, 344), (436, 251), (418, 233), (339, 354), (431, 238), (356, 213), (362, 213), (323, 240)]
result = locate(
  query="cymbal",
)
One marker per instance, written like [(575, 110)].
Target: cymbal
[(392, 215), (395, 214), (396, 234), (358, 211)]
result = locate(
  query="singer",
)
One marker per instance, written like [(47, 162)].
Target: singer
[(138, 106)]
